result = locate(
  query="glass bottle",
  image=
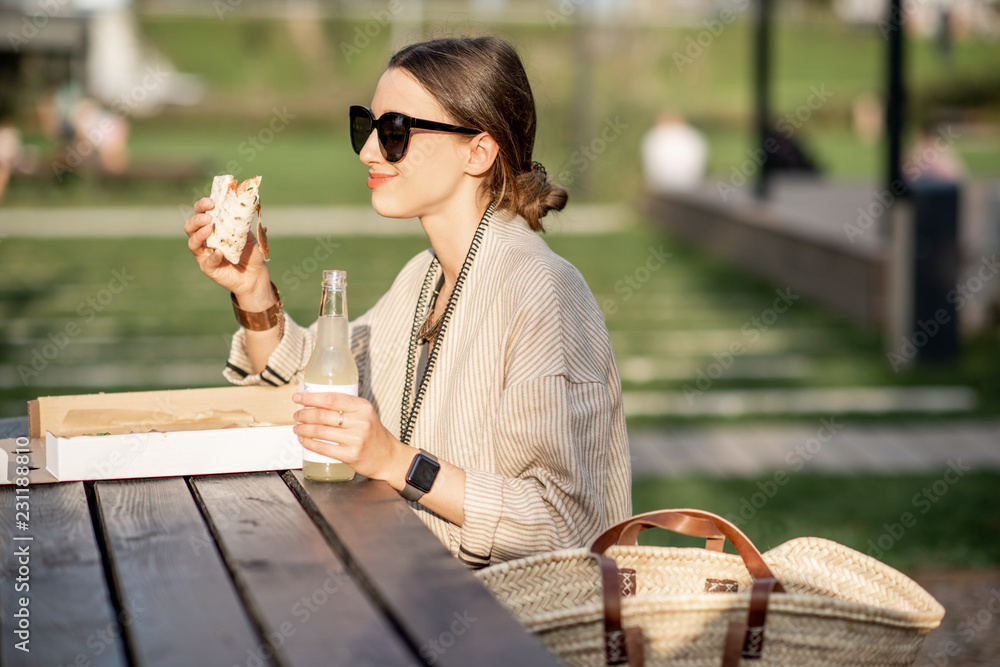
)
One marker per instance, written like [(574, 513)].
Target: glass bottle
[(331, 368)]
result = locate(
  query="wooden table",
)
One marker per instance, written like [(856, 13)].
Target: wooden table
[(238, 570)]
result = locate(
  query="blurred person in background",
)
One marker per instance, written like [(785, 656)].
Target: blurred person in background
[(867, 114), (932, 158), (674, 155), (11, 152), (83, 132), (103, 133), (55, 115), (492, 340)]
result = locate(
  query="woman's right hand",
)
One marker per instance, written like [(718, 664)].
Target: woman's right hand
[(249, 280)]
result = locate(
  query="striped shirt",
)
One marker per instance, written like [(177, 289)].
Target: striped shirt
[(522, 391)]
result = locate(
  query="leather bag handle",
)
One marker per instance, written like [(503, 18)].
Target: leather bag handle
[(696, 523), (745, 639), (714, 539)]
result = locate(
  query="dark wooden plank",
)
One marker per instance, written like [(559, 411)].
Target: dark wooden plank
[(167, 568), (312, 611), (449, 617), (72, 620), (13, 427)]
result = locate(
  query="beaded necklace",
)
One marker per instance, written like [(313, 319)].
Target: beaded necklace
[(436, 331)]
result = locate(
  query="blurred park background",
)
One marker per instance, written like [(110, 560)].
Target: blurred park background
[(737, 321)]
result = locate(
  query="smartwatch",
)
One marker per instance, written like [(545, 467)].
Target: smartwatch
[(421, 475)]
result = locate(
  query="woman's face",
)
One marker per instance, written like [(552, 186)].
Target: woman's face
[(428, 176)]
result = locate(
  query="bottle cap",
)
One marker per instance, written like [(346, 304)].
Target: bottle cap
[(335, 280)]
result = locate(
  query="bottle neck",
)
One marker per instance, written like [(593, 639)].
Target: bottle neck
[(334, 303), (332, 330)]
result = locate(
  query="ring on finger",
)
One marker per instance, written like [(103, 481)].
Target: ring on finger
[(341, 422)]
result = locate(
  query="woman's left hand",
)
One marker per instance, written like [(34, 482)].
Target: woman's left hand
[(362, 442)]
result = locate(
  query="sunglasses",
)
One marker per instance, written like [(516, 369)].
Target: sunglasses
[(393, 131)]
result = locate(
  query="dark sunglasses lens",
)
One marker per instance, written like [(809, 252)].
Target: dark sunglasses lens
[(361, 128), (392, 134)]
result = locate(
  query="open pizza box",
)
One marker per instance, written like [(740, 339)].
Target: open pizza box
[(160, 434)]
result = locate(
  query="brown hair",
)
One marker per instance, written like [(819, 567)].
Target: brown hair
[(481, 84)]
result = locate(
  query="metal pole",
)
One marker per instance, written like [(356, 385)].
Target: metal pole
[(762, 91), (896, 228), (895, 98)]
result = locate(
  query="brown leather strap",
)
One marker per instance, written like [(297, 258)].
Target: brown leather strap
[(615, 647), (626, 531), (636, 650), (734, 643), (714, 540), (746, 639), (760, 595), (687, 522)]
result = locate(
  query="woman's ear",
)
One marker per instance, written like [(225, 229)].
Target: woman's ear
[(483, 151)]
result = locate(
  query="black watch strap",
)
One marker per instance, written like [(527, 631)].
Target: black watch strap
[(421, 475)]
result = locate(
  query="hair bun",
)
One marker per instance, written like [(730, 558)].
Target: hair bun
[(536, 195)]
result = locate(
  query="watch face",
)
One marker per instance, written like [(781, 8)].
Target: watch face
[(423, 472)]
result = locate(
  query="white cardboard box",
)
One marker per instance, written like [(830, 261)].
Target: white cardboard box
[(167, 433)]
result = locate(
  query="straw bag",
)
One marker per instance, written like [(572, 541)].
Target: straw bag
[(809, 601)]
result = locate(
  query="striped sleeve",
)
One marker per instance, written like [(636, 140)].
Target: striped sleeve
[(556, 456), (289, 359), (285, 364)]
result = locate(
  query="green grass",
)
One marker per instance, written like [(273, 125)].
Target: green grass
[(169, 315), (252, 66), (687, 310), (694, 294), (306, 164), (949, 525)]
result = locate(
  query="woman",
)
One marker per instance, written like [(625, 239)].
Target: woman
[(489, 395)]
